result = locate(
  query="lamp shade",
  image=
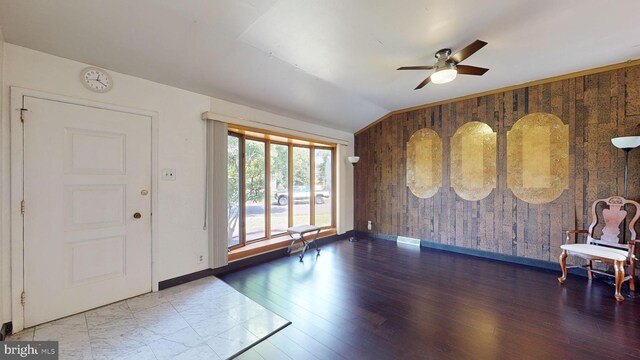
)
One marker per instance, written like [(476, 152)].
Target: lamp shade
[(353, 159), (626, 142)]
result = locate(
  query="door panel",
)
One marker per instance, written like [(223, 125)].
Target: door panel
[(81, 212), (85, 267), (93, 152), (84, 170)]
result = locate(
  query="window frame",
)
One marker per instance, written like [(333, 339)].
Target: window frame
[(333, 184), (244, 134), (241, 195), (267, 209)]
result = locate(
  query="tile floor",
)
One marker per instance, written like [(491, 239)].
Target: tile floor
[(203, 319)]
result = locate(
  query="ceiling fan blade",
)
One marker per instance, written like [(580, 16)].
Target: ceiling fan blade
[(415, 68), (468, 51), (471, 70), (423, 83)]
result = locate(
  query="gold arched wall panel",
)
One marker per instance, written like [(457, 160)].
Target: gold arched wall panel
[(473, 161), (424, 163), (538, 158)]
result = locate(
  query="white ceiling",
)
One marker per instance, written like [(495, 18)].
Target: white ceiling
[(330, 62)]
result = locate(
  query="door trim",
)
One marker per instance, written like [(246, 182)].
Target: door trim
[(17, 189)]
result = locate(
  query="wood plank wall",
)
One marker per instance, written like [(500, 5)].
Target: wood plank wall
[(596, 107)]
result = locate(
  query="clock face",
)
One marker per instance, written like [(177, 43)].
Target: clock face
[(96, 79)]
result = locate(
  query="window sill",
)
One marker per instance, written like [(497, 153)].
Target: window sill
[(261, 247)]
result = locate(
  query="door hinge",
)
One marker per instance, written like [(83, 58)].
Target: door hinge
[(22, 207), (22, 111), (23, 298)]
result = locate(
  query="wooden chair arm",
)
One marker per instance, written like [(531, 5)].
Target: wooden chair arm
[(573, 232), (632, 248)]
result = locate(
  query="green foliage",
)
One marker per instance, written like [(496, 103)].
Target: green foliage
[(254, 170), (233, 170), (233, 183), (279, 166), (323, 169), (301, 167)]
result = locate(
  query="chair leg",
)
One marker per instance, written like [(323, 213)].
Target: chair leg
[(563, 266), (632, 272), (589, 268), (619, 274)]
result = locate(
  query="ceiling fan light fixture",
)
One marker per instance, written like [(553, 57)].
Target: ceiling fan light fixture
[(447, 67), (444, 75)]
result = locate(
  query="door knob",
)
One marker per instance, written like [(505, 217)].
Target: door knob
[(137, 215)]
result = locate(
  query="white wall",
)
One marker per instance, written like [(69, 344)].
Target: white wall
[(181, 238), (244, 115), (181, 145)]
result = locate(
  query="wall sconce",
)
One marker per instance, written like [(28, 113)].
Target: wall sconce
[(626, 143)]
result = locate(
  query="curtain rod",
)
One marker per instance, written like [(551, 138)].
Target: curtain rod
[(209, 115)]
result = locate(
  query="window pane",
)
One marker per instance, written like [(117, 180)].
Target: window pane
[(254, 189), (301, 186), (279, 188), (233, 189), (323, 190)]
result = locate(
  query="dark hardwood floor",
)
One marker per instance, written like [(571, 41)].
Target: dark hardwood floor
[(373, 299)]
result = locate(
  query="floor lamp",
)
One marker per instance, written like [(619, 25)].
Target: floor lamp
[(353, 160), (626, 143)]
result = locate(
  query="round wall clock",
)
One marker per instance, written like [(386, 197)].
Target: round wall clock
[(96, 79)]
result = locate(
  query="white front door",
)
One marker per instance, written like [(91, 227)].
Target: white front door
[(87, 171)]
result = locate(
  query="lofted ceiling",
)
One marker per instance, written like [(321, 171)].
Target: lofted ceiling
[(329, 62)]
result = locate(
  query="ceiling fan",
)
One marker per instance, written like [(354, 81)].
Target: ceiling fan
[(446, 67)]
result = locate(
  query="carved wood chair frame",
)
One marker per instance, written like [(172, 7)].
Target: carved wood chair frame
[(595, 250)]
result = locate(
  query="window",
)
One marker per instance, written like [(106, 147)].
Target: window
[(233, 188), (323, 183), (279, 183), (254, 189), (276, 182), (301, 186)]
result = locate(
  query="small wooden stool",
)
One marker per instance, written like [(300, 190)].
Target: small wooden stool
[(299, 232)]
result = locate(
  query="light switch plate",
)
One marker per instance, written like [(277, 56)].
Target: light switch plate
[(168, 174)]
